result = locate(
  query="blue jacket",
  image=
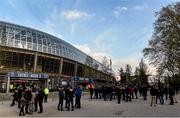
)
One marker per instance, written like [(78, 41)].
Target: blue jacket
[(78, 92)]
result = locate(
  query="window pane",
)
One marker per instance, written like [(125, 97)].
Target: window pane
[(17, 36), (34, 40), (29, 39)]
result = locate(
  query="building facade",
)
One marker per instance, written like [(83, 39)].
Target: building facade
[(33, 58)]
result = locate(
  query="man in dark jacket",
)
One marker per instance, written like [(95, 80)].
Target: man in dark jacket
[(166, 92), (28, 97), (91, 92), (161, 95), (36, 102), (61, 98), (136, 91), (171, 94), (96, 92), (15, 98), (40, 97), (70, 96), (153, 93), (19, 97), (118, 93), (66, 96), (144, 92)]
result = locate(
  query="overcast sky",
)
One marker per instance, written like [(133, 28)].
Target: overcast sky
[(117, 29)]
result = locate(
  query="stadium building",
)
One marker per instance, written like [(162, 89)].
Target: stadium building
[(29, 57)]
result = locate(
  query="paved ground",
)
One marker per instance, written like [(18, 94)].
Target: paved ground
[(99, 108)]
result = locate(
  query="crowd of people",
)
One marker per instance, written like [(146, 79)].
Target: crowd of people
[(158, 93), (129, 92), (126, 92), (68, 93), (24, 97), (27, 103)]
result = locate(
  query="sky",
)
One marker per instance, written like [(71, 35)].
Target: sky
[(117, 29)]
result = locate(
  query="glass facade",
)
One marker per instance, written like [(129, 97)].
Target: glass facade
[(16, 61), (12, 35)]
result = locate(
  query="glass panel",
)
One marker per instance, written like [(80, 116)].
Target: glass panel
[(29, 39), (57, 51), (29, 45), (40, 47), (34, 46), (49, 49), (28, 34), (17, 44), (17, 36), (23, 38), (53, 50), (34, 40), (24, 44), (44, 41), (33, 34), (44, 48), (10, 42), (39, 41), (23, 32)]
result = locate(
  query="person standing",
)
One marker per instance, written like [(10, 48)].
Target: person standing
[(158, 95), (36, 102), (23, 104), (105, 92), (40, 100), (127, 91), (70, 96), (19, 96), (78, 97), (113, 93), (144, 92), (15, 98), (118, 93), (61, 98), (110, 93), (140, 91), (174, 96), (136, 91), (28, 97), (153, 93), (161, 95), (166, 92), (131, 92), (96, 92), (66, 96), (46, 93), (124, 92), (171, 94), (91, 90)]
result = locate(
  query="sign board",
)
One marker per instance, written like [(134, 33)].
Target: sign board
[(27, 75), (83, 79)]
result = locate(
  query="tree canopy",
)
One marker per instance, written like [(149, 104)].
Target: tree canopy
[(163, 50)]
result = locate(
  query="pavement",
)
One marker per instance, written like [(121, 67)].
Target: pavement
[(100, 108)]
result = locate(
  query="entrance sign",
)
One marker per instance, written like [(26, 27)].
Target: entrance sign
[(27, 75)]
